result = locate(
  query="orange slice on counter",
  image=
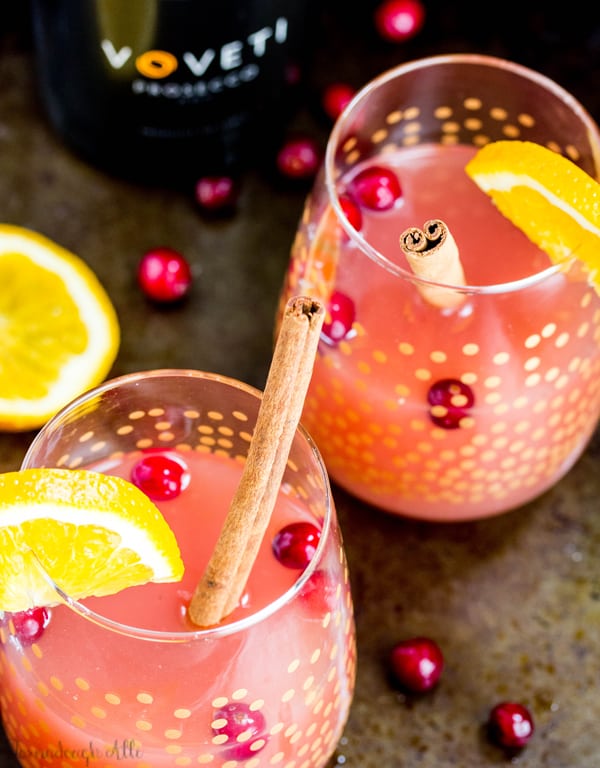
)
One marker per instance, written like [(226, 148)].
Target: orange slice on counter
[(59, 333), (93, 534), (550, 198)]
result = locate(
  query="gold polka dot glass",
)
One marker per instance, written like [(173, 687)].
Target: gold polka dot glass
[(271, 686), (480, 404)]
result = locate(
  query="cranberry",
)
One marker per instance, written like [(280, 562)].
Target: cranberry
[(340, 317), (295, 545), (398, 20), (30, 624), (240, 719), (164, 275), (450, 400), (160, 476), (417, 664), (376, 188), (299, 158), (214, 193), (351, 211), (510, 725), (336, 98), (319, 592)]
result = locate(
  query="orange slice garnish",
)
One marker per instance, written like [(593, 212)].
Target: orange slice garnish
[(550, 198), (93, 534)]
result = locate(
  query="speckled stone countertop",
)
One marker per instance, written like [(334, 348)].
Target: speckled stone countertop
[(513, 601)]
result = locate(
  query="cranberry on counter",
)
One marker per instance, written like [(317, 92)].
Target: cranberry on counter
[(216, 193), (299, 158), (399, 20), (417, 664), (164, 275), (336, 98), (510, 725)]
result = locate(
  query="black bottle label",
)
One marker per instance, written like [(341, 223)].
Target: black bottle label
[(167, 83)]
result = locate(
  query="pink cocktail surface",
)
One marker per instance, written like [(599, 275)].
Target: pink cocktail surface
[(274, 688), (446, 413)]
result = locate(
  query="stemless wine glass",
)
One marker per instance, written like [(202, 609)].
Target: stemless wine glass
[(462, 410), (127, 677)]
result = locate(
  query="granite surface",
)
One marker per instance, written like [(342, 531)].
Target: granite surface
[(513, 601)]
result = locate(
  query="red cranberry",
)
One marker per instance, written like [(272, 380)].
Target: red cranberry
[(235, 719), (510, 725), (30, 624), (336, 98), (164, 275), (351, 211), (214, 193), (295, 545), (398, 20), (376, 188), (319, 592), (417, 664), (299, 158), (450, 400), (340, 317), (160, 476)]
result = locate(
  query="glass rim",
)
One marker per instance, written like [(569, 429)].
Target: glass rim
[(483, 60), (202, 633)]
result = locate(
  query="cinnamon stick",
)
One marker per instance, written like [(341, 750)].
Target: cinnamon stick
[(433, 255), (226, 574)]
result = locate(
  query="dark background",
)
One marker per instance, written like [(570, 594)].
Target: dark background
[(560, 40)]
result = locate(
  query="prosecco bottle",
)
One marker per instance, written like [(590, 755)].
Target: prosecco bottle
[(169, 90)]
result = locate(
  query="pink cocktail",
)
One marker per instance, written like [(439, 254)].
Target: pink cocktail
[(129, 677), (470, 405)]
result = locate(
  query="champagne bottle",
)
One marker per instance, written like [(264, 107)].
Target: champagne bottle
[(169, 90)]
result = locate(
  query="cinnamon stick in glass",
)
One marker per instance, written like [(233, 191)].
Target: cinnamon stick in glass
[(226, 574), (433, 255)]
